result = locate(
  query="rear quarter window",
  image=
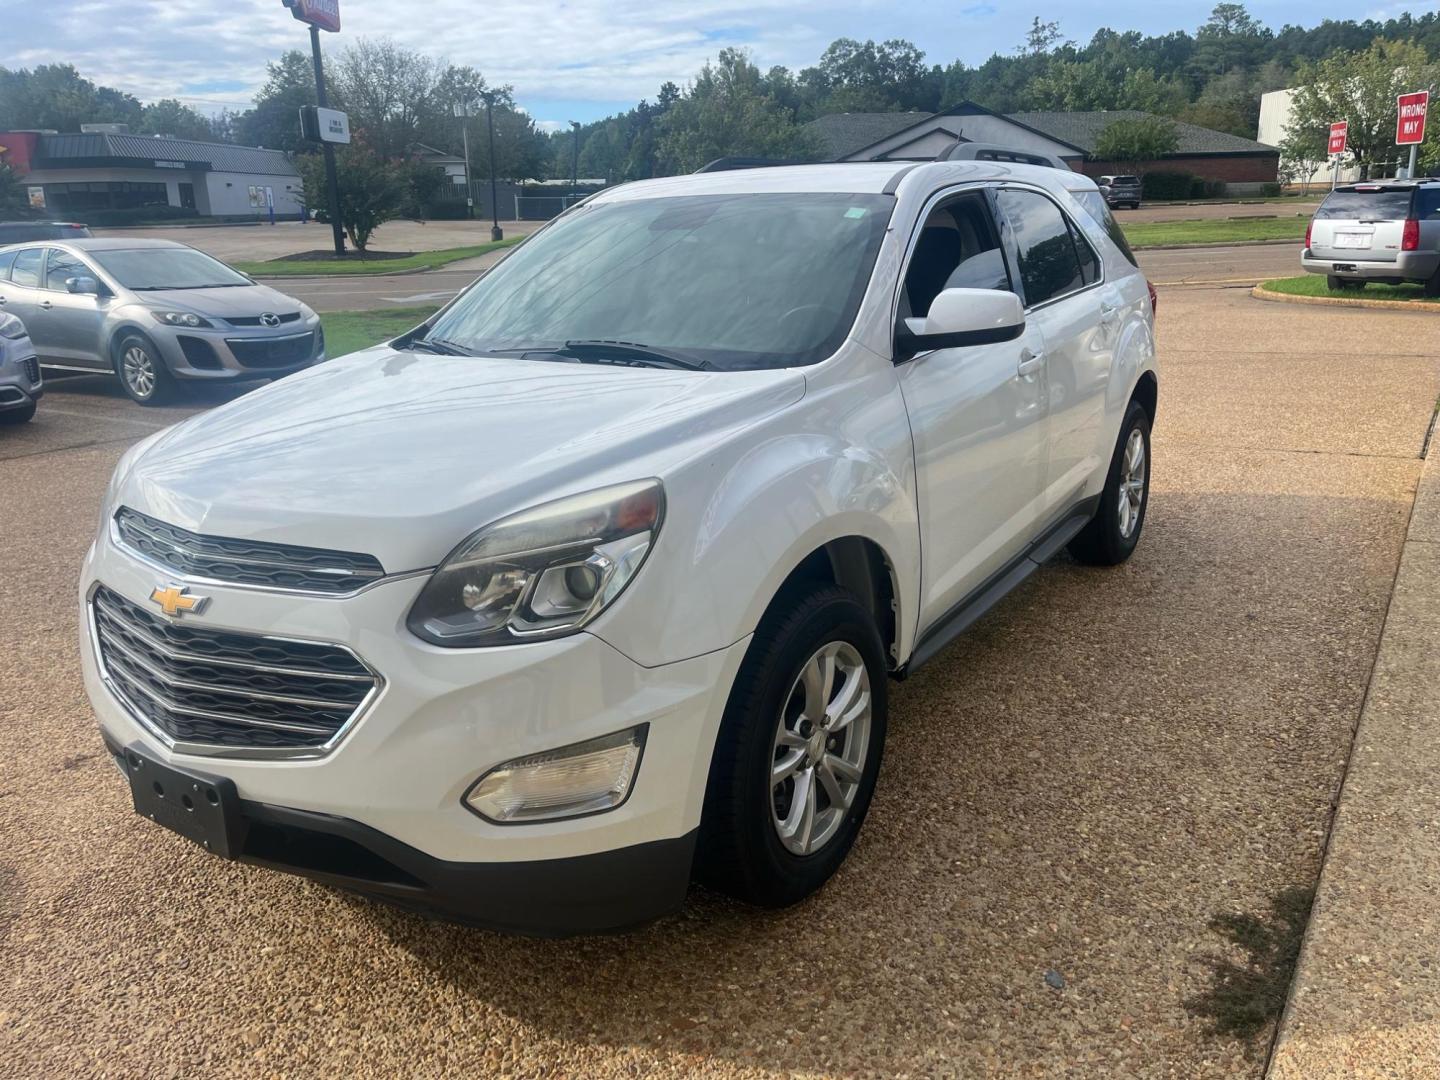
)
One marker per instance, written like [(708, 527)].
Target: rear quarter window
[(1095, 205), (1366, 205)]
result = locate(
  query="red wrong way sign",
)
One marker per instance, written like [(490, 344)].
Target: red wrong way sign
[(1338, 132), (1410, 110)]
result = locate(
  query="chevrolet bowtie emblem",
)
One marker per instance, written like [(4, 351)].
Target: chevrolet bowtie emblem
[(174, 602)]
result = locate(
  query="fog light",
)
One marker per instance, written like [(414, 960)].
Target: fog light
[(584, 778)]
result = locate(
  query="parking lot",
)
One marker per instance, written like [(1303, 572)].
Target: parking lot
[(1071, 794)]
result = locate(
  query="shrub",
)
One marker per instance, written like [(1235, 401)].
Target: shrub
[(1170, 185), (135, 215), (446, 210), (1270, 190)]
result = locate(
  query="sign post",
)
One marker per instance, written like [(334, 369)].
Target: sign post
[(323, 15), (1339, 133), (1410, 110)]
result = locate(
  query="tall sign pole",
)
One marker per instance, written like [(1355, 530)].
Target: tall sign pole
[(332, 181), (323, 15), (495, 233)]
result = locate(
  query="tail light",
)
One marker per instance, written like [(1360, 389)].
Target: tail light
[(1154, 299), (1410, 238), (1308, 226)]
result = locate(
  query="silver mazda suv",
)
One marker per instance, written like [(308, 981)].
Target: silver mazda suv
[(153, 312)]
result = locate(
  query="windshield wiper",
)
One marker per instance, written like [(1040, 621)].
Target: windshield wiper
[(622, 352), (436, 345)]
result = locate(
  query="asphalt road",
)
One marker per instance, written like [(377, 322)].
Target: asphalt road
[(1232, 265), (1072, 795)]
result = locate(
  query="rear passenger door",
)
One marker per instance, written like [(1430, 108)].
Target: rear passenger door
[(19, 295), (1065, 295)]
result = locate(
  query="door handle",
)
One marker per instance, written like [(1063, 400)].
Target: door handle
[(3, 301), (46, 304), (1029, 362), (1108, 312)]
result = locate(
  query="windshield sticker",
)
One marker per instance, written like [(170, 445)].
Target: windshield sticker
[(855, 212)]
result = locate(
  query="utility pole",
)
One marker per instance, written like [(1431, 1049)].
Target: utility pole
[(575, 164), (495, 233), (332, 181), (463, 111)]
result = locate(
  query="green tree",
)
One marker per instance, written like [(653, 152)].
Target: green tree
[(1136, 143), (373, 190), (170, 117), (274, 121), (728, 111), (1358, 87), (57, 96), (14, 202)]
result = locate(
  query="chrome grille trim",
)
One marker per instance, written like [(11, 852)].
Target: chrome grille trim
[(234, 703), (287, 568)]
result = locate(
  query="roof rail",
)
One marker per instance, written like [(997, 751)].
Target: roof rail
[(726, 164), (979, 151)]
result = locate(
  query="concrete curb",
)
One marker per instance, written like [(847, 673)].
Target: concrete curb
[(1209, 244), (1262, 293), (1366, 990)]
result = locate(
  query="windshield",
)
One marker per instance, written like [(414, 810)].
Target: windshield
[(725, 281), (166, 268), (1392, 205)]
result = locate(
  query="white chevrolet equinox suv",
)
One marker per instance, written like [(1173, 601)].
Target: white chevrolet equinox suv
[(592, 584)]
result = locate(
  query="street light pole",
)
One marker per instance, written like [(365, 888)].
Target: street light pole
[(495, 233), (463, 111), (332, 181), (575, 164)]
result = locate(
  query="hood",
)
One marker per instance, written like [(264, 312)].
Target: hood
[(224, 302), (401, 455)]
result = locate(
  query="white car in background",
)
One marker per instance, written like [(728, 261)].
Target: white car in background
[(593, 583)]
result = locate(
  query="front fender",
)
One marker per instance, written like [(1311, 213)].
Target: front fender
[(741, 518)]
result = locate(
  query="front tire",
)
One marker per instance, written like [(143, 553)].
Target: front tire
[(22, 415), (1111, 536), (798, 752), (142, 371)]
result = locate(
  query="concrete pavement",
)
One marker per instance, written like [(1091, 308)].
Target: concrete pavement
[(1366, 996), (1079, 798)]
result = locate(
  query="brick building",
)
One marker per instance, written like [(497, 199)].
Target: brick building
[(1243, 165)]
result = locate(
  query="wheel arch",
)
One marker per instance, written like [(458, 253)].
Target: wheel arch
[(861, 566), (1147, 393)]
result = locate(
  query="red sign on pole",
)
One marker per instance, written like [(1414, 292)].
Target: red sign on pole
[(1410, 110), (1337, 136), (323, 14)]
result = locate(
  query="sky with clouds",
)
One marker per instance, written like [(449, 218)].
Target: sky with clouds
[(570, 60)]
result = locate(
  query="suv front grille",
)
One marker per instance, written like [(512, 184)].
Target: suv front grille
[(223, 689), (272, 352), (245, 562), (254, 320)]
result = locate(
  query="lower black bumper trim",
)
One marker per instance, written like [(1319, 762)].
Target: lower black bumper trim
[(605, 892)]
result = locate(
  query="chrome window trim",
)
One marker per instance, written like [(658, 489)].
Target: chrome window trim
[(210, 750), (118, 542)]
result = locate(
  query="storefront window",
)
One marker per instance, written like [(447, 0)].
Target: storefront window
[(104, 195)]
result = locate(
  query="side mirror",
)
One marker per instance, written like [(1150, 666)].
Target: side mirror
[(86, 285), (962, 317)]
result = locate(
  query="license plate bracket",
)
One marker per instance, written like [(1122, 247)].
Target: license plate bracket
[(203, 809)]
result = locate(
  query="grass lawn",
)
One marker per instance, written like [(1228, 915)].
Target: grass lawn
[(1314, 285), (351, 331), (1143, 234), (427, 260)]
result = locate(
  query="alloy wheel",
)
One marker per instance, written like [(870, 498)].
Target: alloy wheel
[(821, 741), (1132, 483), (138, 371)]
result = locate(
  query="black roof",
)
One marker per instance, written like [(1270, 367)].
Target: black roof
[(102, 148)]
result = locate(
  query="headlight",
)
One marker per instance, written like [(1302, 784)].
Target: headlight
[(181, 318), (543, 572), (11, 327)]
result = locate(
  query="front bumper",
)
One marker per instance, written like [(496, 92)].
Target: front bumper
[(20, 382), (222, 353), (393, 784), (1408, 266)]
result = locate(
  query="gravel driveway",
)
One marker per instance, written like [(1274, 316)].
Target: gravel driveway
[(1071, 795)]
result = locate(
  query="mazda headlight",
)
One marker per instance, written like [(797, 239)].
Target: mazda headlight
[(11, 327), (181, 318), (543, 572)]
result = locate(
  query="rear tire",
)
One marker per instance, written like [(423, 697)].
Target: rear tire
[(22, 415), (823, 721), (142, 371), (1111, 536)]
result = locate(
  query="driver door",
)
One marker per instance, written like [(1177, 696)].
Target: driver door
[(977, 415)]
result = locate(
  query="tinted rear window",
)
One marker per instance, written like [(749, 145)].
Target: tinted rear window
[(1097, 207), (1391, 205)]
